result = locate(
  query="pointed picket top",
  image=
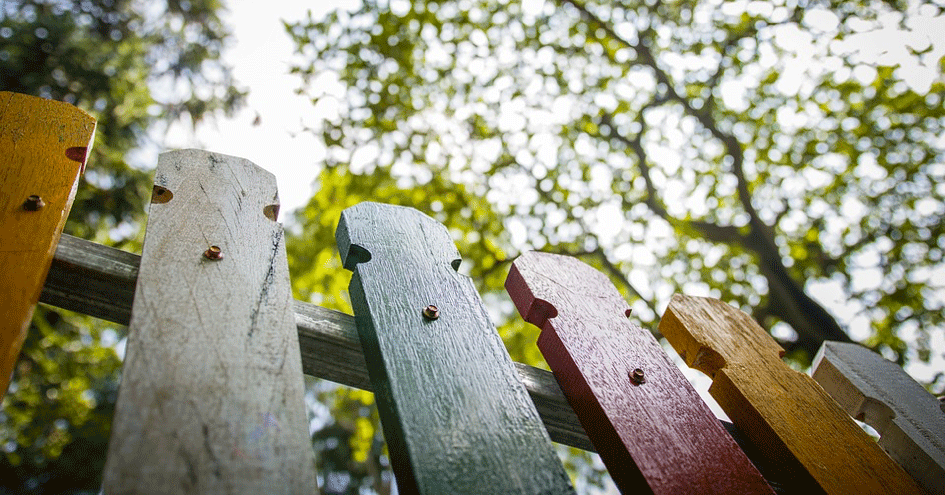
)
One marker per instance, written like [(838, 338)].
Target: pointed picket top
[(783, 411), (909, 419), (646, 421), (455, 416), (45, 146)]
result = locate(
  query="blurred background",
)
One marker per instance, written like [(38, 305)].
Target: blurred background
[(787, 157)]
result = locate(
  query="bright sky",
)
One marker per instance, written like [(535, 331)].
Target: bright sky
[(260, 55)]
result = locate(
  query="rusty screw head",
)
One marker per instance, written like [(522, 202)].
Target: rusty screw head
[(213, 253), (33, 203), (637, 376), (431, 312)]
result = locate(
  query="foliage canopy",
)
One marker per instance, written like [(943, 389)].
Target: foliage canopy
[(750, 150), (785, 156)]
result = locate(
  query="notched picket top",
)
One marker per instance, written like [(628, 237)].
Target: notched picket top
[(909, 420), (44, 146), (361, 227), (455, 416), (651, 428), (784, 412), (211, 399)]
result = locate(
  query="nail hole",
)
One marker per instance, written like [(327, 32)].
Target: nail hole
[(33, 203), (77, 153), (271, 212), (161, 195)]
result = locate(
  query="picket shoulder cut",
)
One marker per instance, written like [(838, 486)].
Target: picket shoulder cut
[(99, 280), (909, 420), (651, 428), (776, 406), (211, 398), (44, 145), (455, 417)]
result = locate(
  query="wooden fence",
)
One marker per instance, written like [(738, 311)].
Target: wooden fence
[(211, 391)]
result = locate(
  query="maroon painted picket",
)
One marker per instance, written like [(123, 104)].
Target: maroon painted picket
[(650, 427)]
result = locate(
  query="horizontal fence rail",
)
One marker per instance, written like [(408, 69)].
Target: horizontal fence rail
[(99, 281), (185, 418)]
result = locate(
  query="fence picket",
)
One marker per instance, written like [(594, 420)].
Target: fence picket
[(211, 393), (784, 412), (908, 418), (94, 280), (455, 416), (44, 144), (648, 424)]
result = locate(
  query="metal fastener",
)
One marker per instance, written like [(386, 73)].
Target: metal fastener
[(33, 203), (431, 312), (637, 376), (213, 253)]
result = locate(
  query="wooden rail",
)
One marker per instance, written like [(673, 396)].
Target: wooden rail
[(446, 388), (99, 281), (452, 403)]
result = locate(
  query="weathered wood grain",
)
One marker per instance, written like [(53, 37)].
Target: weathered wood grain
[(909, 419), (651, 428), (784, 412), (211, 393), (92, 279), (329, 342), (44, 144), (455, 417), (328, 339), (99, 280)]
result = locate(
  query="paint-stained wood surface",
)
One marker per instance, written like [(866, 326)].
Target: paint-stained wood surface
[(99, 280), (211, 399), (783, 411), (44, 145), (455, 416), (94, 279), (909, 419), (653, 432)]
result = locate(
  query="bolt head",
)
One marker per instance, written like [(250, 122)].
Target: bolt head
[(33, 203), (431, 312), (637, 376), (213, 253)]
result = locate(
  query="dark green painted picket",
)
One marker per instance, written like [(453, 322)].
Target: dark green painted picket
[(454, 414)]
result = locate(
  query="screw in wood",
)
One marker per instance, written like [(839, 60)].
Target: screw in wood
[(33, 203), (213, 253), (637, 376), (431, 312)]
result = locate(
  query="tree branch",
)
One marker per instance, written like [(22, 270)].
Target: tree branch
[(788, 300), (732, 147), (727, 234), (598, 252)]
